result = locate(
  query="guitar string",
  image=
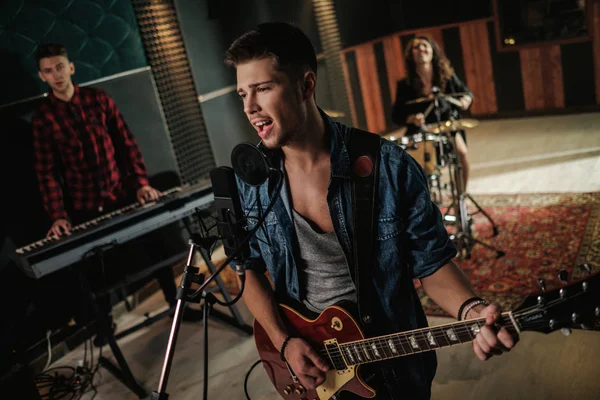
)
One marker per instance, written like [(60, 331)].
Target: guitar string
[(461, 329), (438, 336), (403, 341), (381, 343), (337, 357), (340, 359)]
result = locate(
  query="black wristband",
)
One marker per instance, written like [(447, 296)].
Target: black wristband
[(462, 307), (285, 342)]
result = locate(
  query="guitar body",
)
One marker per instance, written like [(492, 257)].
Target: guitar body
[(335, 331), (333, 323)]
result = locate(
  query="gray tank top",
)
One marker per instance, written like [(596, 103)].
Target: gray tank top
[(322, 267)]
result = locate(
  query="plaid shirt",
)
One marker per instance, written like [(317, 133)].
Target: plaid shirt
[(87, 143)]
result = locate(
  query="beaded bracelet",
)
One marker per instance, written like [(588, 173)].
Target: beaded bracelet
[(285, 342), (472, 305), (462, 307)]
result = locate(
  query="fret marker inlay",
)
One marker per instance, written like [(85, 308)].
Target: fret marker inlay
[(366, 350), (392, 347), (452, 335), (374, 347), (350, 356), (358, 353), (413, 342), (431, 339), (475, 329)]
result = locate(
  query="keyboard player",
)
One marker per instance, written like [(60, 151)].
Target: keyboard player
[(88, 162)]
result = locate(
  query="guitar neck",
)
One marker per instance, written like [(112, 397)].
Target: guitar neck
[(415, 341)]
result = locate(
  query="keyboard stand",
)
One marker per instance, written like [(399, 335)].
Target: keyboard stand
[(129, 279), (121, 372)]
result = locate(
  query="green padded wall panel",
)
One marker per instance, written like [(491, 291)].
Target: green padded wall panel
[(101, 36)]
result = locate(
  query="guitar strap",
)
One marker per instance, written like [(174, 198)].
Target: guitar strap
[(364, 158)]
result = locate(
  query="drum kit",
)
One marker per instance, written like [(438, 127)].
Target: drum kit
[(434, 148)]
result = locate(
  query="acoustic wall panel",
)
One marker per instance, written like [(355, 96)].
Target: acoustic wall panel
[(577, 61), (101, 37), (166, 53)]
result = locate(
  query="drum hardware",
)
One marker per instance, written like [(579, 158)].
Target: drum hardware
[(421, 146), (438, 94), (452, 125), (435, 187), (450, 219), (461, 219)]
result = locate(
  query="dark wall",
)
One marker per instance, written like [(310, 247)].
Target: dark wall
[(362, 21), (209, 27), (207, 30), (101, 38), (137, 98), (424, 13)]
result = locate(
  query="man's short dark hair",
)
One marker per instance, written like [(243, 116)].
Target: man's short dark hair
[(49, 50), (292, 51)]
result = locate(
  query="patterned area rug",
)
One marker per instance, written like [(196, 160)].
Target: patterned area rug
[(541, 234)]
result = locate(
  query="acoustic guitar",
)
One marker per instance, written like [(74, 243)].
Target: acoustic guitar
[(338, 338)]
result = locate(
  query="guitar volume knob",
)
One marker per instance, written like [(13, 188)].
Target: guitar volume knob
[(541, 301), (287, 390), (563, 275)]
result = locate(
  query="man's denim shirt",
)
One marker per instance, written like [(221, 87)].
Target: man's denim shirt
[(411, 239)]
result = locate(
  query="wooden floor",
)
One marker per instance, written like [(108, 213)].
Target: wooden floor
[(547, 154), (551, 154)]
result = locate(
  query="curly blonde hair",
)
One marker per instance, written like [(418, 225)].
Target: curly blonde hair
[(442, 69)]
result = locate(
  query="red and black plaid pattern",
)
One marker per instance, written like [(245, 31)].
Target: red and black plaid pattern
[(86, 156)]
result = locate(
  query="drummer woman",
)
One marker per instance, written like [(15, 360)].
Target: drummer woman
[(428, 68)]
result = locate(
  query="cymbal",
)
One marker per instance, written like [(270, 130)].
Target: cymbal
[(431, 97), (452, 125), (395, 136)]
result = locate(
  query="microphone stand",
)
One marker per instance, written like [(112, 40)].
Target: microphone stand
[(185, 294), (190, 274)]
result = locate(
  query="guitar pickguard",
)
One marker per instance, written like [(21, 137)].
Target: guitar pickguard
[(334, 381)]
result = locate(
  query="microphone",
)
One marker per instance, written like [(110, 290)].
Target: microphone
[(250, 163), (231, 223)]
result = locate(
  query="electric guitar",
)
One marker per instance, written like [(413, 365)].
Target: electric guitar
[(337, 337)]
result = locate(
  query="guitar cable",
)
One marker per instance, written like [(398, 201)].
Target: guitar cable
[(248, 376)]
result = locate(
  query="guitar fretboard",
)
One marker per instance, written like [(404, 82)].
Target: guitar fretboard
[(407, 343)]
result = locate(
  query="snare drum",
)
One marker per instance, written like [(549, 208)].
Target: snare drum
[(423, 148)]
